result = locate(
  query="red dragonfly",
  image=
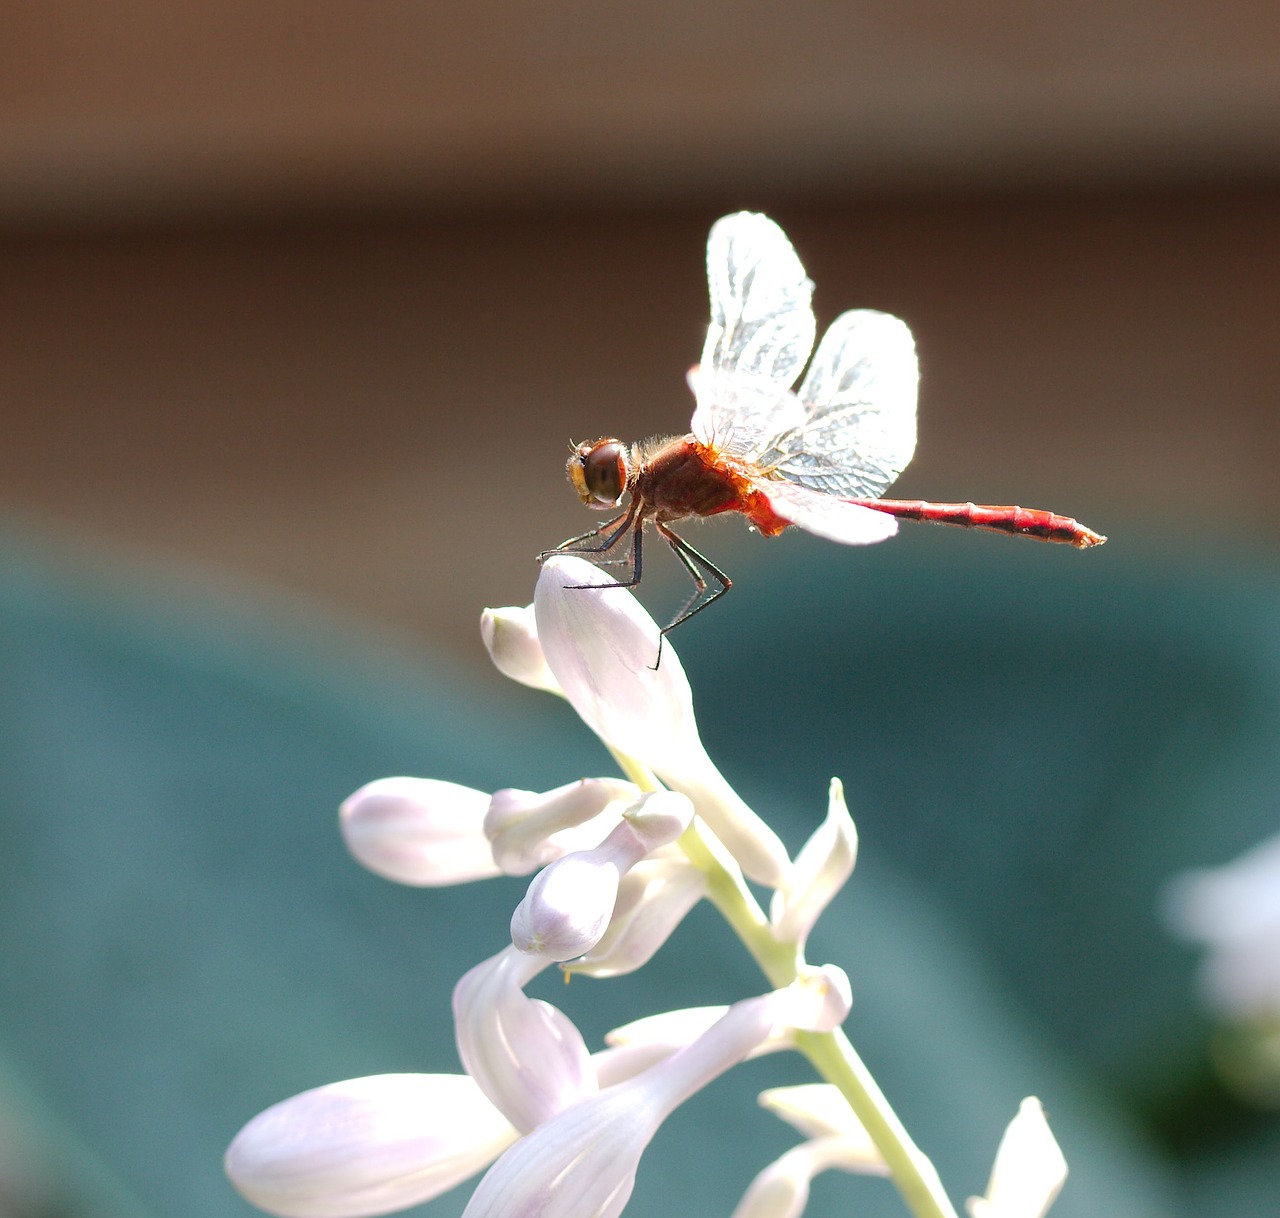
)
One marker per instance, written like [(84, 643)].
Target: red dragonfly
[(818, 458)]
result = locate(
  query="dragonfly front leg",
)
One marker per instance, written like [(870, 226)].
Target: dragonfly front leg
[(632, 559), (631, 523), (575, 544)]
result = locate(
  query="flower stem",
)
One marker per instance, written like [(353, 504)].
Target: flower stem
[(635, 772), (835, 1058), (831, 1054), (728, 892)]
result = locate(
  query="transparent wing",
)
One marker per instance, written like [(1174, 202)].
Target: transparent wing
[(820, 514), (762, 325), (741, 414), (859, 402)]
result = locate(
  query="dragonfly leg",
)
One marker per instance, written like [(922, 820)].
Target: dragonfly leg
[(699, 567), (632, 559), (575, 544)]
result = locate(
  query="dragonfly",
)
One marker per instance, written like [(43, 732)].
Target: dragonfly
[(818, 457)]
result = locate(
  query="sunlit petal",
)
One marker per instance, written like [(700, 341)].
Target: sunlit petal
[(527, 1056), (820, 870), (527, 829), (419, 831), (653, 899), (1029, 1170), (582, 1164), (366, 1146), (781, 1190), (511, 638), (602, 647), (569, 904), (820, 1112)]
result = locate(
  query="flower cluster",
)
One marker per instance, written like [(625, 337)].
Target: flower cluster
[(616, 865)]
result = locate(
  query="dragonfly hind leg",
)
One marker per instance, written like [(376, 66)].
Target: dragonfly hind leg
[(699, 567)]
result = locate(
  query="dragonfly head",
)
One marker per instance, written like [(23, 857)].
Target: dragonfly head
[(600, 472)]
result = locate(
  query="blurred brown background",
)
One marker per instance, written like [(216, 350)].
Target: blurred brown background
[(318, 293)]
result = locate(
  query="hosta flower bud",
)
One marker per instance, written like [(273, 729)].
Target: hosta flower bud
[(823, 865), (511, 638), (527, 830), (602, 647), (653, 898), (570, 902), (1029, 1170), (366, 1146), (527, 1056), (419, 831)]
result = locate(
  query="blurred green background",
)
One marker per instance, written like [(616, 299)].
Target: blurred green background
[(1032, 741)]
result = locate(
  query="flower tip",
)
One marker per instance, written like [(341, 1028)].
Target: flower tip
[(511, 638), (566, 909), (823, 998), (1029, 1169), (603, 648), (659, 818)]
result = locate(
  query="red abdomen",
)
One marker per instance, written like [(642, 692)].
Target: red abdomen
[(1017, 521)]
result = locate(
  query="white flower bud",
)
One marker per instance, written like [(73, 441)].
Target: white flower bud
[(570, 902), (529, 830), (653, 899), (567, 907), (584, 1161), (819, 872), (1029, 1170), (512, 641), (419, 831), (367, 1145), (602, 647)]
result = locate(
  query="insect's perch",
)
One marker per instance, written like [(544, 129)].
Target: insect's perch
[(819, 458)]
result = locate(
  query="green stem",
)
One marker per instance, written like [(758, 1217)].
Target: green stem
[(915, 1176), (831, 1053)]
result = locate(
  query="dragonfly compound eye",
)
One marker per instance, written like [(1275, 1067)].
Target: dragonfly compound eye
[(599, 472)]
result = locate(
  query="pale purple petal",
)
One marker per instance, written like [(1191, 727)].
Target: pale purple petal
[(528, 829), (419, 831), (569, 904), (527, 1056), (582, 1164), (602, 646), (366, 1146), (1029, 1170), (567, 907), (511, 638), (653, 899), (1235, 911)]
